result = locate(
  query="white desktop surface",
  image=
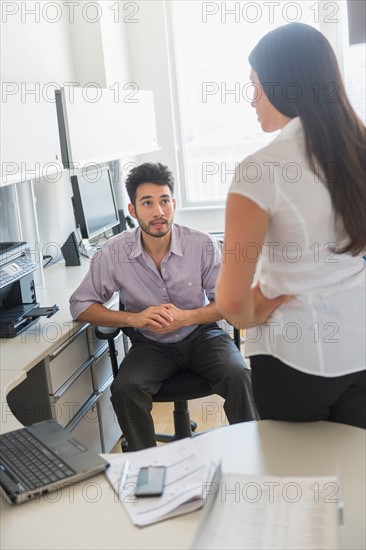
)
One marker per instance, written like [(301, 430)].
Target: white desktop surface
[(20, 354), (89, 516)]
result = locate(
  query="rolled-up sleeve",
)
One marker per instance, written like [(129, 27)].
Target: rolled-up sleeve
[(211, 261), (98, 286)]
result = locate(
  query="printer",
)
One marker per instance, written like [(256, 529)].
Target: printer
[(18, 305)]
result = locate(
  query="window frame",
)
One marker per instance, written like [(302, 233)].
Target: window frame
[(334, 33)]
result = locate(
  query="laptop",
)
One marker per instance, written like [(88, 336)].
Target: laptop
[(41, 458)]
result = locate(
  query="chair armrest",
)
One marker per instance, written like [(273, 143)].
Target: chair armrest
[(106, 333), (237, 337)]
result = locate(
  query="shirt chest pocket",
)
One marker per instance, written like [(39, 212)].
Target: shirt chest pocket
[(187, 293)]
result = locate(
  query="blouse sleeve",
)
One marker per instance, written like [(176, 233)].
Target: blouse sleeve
[(255, 179)]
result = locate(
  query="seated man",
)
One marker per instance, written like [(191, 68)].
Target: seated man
[(163, 273)]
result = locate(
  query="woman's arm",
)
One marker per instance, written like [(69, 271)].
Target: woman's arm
[(237, 299)]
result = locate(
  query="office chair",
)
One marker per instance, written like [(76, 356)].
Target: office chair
[(179, 388)]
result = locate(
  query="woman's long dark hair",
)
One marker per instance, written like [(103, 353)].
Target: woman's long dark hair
[(299, 73)]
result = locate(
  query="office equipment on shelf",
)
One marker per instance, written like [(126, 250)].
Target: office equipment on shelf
[(70, 250), (188, 470), (271, 512), (95, 207), (124, 221), (18, 305), (42, 458)]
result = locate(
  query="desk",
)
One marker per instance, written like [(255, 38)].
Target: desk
[(20, 354), (65, 371), (89, 516)]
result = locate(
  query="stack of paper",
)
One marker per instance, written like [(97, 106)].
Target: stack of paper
[(246, 512), (241, 511), (188, 471)]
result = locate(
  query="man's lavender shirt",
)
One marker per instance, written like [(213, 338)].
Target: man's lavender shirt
[(188, 275)]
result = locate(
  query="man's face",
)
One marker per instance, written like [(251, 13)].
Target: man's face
[(154, 209)]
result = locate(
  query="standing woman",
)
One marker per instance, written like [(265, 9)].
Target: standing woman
[(299, 206)]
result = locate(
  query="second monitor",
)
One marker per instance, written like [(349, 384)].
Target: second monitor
[(94, 203)]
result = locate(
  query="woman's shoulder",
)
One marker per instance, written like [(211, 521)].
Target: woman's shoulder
[(278, 150)]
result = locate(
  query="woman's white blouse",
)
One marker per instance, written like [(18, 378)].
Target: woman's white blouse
[(322, 329)]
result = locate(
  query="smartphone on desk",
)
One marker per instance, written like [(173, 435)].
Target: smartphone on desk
[(150, 481)]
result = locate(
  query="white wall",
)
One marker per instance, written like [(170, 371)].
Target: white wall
[(35, 50), (150, 70), (149, 61), (36, 53), (48, 42), (71, 44), (54, 45)]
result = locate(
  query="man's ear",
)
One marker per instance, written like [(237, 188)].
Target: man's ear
[(174, 204), (131, 210)]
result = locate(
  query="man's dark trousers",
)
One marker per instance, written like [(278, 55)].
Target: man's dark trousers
[(208, 351)]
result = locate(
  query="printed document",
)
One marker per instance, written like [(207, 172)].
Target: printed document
[(188, 472), (268, 512)]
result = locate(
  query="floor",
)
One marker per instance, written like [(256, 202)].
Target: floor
[(208, 412)]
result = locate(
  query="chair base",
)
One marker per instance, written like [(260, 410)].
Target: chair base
[(124, 444), (183, 426), (167, 438)]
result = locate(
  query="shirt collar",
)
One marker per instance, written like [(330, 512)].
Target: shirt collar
[(292, 129), (175, 243), (137, 249)]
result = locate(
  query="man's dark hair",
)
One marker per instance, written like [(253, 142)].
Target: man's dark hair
[(148, 172)]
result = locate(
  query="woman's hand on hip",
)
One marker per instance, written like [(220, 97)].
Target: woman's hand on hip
[(264, 307)]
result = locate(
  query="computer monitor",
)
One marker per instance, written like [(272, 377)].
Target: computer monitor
[(94, 202)]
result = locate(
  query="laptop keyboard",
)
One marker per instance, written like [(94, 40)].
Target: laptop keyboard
[(31, 461)]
